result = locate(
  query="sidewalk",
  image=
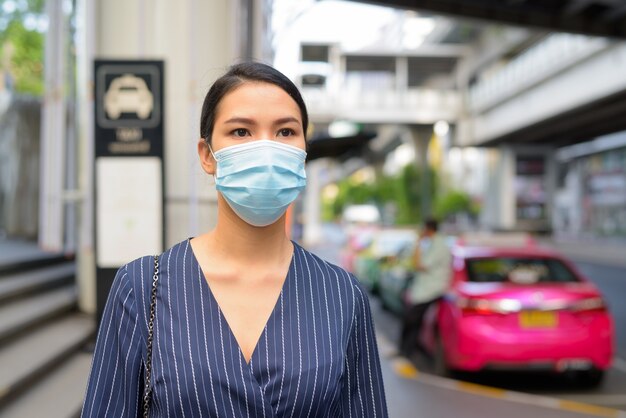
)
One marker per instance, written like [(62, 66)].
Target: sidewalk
[(595, 251)]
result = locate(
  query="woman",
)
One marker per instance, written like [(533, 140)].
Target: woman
[(248, 323)]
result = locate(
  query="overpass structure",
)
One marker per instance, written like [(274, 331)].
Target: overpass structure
[(555, 79), (590, 17), (380, 86)]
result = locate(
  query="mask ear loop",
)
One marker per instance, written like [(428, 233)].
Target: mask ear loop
[(215, 158)]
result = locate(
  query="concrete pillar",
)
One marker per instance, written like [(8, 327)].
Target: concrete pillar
[(197, 41), (53, 131), (551, 179), (506, 191), (402, 74), (421, 135), (338, 65), (85, 47), (498, 212)]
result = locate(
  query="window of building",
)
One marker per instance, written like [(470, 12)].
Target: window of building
[(315, 53)]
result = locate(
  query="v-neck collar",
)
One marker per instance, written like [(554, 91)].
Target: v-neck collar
[(278, 305)]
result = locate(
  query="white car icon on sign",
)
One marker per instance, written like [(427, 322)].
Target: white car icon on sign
[(128, 94)]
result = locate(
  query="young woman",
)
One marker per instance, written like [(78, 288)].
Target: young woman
[(247, 323)]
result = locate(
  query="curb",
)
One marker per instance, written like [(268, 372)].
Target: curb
[(406, 370)]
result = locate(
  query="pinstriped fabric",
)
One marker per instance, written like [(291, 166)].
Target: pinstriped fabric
[(316, 357)]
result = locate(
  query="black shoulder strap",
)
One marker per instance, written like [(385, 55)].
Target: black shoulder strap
[(147, 392)]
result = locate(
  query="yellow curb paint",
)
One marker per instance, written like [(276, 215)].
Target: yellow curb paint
[(481, 390), (405, 369), (596, 411)]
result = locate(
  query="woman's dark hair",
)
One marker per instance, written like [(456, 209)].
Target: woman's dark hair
[(237, 75)]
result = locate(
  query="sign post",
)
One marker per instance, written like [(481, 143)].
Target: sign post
[(129, 186)]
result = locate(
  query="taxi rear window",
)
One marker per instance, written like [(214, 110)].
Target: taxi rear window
[(519, 270)]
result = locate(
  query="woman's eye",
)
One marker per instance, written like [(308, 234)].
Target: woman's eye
[(286, 132), (241, 132)]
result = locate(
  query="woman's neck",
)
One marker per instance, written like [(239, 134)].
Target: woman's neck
[(237, 240)]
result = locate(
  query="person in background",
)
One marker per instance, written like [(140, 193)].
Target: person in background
[(432, 262)]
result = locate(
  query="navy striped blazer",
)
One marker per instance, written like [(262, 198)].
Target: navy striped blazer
[(316, 357)]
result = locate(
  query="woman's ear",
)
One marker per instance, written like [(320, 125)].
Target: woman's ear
[(206, 157)]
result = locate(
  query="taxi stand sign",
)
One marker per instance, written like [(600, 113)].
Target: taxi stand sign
[(129, 167)]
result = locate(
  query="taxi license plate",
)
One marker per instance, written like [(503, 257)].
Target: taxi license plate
[(538, 319)]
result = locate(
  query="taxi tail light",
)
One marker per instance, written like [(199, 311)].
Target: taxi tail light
[(474, 306), (480, 306), (593, 304)]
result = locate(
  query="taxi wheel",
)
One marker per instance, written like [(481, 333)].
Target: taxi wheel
[(590, 378), (439, 358)]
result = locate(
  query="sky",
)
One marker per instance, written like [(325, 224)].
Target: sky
[(354, 25)]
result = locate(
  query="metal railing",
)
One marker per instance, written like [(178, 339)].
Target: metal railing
[(546, 59), (411, 105)]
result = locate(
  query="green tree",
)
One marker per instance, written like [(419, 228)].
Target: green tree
[(454, 202), (409, 193), (22, 44), (403, 191)]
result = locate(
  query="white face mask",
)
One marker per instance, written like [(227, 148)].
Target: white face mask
[(260, 179)]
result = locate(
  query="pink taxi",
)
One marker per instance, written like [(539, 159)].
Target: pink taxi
[(519, 307)]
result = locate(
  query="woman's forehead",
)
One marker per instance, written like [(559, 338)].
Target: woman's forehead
[(257, 100)]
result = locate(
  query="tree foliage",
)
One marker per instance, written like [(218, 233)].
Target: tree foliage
[(22, 41), (454, 202), (20, 9), (402, 192)]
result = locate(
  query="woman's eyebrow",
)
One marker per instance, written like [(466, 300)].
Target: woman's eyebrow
[(288, 119), (248, 121), (240, 120)]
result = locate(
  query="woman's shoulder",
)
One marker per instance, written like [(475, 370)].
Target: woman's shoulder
[(142, 268), (136, 276), (333, 272)]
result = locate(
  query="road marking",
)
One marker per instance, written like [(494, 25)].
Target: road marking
[(596, 411), (405, 369), (481, 390), (598, 399), (619, 364)]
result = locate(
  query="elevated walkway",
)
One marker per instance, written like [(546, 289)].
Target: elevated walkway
[(418, 106), (565, 89)]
